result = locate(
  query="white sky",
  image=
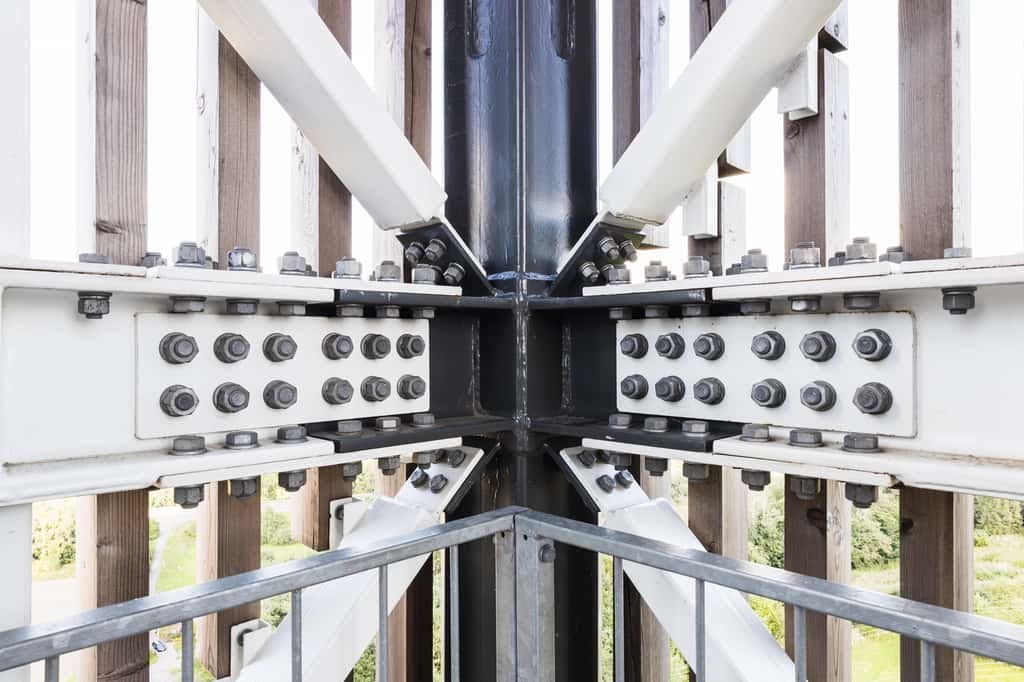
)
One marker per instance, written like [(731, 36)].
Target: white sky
[(997, 159)]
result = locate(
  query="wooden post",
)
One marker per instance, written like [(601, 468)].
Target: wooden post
[(113, 529), (816, 159), (228, 536), (639, 76), (936, 547)]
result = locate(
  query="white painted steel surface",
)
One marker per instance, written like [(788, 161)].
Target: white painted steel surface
[(742, 58), (739, 369), (294, 54)]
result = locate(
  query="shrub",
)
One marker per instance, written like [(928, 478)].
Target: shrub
[(875, 533), (275, 528), (53, 534), (997, 516), (767, 536)]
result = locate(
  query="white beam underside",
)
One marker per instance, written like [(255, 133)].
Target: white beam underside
[(294, 54), (737, 64)]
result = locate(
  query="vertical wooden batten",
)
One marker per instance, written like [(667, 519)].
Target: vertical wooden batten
[(936, 540)]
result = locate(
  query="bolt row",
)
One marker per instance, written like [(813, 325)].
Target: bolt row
[(178, 348), (613, 255), (873, 345)]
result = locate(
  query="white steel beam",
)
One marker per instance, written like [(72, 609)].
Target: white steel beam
[(742, 58), (294, 54)]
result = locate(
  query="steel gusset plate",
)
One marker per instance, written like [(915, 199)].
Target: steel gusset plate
[(474, 282), (569, 281)]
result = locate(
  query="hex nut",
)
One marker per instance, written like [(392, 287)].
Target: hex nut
[(958, 300), (387, 423), (292, 433), (178, 401), (861, 442), (453, 274), (873, 398), (230, 398), (695, 427), (624, 478), (872, 344), (756, 306), (694, 310), (188, 445), (349, 427), (756, 433), (819, 396), (291, 308), (894, 254), (634, 387), (419, 478), (389, 465), (804, 488), (655, 466), (375, 389), (388, 312), (670, 346), (861, 250), (241, 306), (337, 346), (186, 304), (769, 345), (589, 272), (243, 259), (655, 271), (241, 440), (423, 419), (696, 472), (435, 251), (242, 488), (337, 391), (189, 255), (438, 483), (456, 457), (151, 259), (177, 348), (424, 458), (655, 311), (838, 259), (756, 479), (347, 268), (280, 395), (619, 420), (805, 438), (292, 263), (389, 271), (671, 389), (862, 300), (375, 346), (619, 460), (656, 424), (754, 261), (292, 481), (231, 348), (411, 387), (768, 393), (696, 266), (818, 346), (956, 252), (633, 345), (93, 304), (709, 391), (804, 304), (426, 274), (587, 458), (862, 496), (605, 483), (279, 347), (410, 345), (414, 253), (350, 470), (423, 313), (94, 258), (188, 496), (615, 274), (609, 248), (709, 346), (620, 313), (804, 255)]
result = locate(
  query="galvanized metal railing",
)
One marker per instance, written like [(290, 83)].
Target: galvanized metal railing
[(525, 556)]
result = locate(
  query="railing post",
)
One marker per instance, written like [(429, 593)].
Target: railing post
[(535, 609), (505, 606)]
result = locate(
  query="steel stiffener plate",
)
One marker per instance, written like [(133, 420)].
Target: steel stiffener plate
[(307, 371), (739, 369)]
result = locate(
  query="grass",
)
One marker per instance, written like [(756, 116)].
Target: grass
[(178, 568)]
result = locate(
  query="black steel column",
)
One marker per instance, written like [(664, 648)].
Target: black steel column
[(521, 175)]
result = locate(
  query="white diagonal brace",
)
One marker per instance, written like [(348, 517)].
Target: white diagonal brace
[(746, 53), (291, 50)]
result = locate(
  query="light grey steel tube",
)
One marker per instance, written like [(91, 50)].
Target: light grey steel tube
[(52, 670), (927, 661), (187, 651), (800, 643), (296, 617), (620, 620), (382, 624), (454, 668), (701, 634)]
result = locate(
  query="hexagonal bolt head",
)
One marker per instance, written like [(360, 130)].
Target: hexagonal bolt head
[(805, 489), (347, 268), (456, 457), (624, 478), (178, 349), (453, 274), (387, 423), (230, 398), (619, 420), (862, 300), (605, 483), (93, 304), (615, 274), (633, 345), (587, 458), (243, 259), (872, 345), (957, 252), (709, 391), (241, 440), (411, 387), (804, 304), (873, 398), (655, 466), (419, 478), (350, 471), (819, 396), (292, 263), (656, 424), (671, 389), (695, 310), (178, 401), (768, 393), (389, 465), (392, 312), (280, 395), (628, 250), (337, 391), (94, 258), (422, 313), (414, 253), (231, 348), (619, 460), (389, 271), (241, 306), (696, 472), (754, 261), (423, 419), (755, 479), (188, 445), (292, 481), (609, 248), (894, 254), (861, 250), (805, 438), (655, 311), (189, 255), (839, 258), (589, 272), (424, 458), (756, 306), (769, 345), (438, 483), (337, 346), (670, 346), (435, 251), (861, 442), (696, 266), (375, 346), (695, 427), (958, 300), (862, 496), (375, 389), (349, 310), (188, 496), (804, 255), (279, 347), (709, 346), (291, 308), (818, 346), (756, 433), (633, 386), (186, 304), (241, 488), (152, 259), (655, 271), (620, 313), (426, 274), (410, 345), (349, 427)]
